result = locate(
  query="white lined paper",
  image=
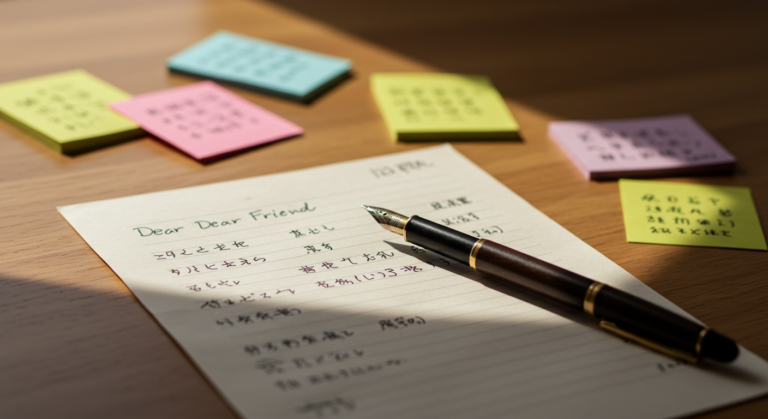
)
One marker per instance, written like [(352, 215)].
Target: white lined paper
[(478, 352)]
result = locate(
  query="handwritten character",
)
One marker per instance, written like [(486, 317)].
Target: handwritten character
[(221, 247), (348, 260), (323, 284), (175, 271), (263, 316), (239, 244), (328, 265), (307, 269), (296, 233), (192, 268), (288, 290), (327, 246), (211, 267), (311, 249), (201, 250), (194, 288), (211, 304)]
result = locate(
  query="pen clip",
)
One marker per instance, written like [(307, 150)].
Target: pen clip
[(671, 352)]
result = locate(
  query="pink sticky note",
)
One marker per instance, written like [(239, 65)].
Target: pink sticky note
[(644, 147), (205, 120)]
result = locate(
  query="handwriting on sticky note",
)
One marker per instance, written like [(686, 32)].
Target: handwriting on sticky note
[(690, 215), (422, 106), (66, 109), (205, 120), (273, 68), (642, 147)]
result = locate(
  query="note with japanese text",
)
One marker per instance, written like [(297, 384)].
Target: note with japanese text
[(296, 304), (690, 215), (438, 106), (267, 67), (205, 120), (642, 147), (67, 111)]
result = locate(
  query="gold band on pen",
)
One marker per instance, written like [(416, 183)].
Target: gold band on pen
[(703, 333), (405, 224), (589, 299), (473, 253)]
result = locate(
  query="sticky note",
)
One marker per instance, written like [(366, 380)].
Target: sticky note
[(205, 120), (643, 147), (67, 111), (690, 215), (439, 106), (266, 67)]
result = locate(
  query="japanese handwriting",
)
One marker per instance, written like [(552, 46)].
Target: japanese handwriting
[(487, 231), (460, 219), (404, 167), (450, 203), (401, 322), (298, 342), (260, 316)]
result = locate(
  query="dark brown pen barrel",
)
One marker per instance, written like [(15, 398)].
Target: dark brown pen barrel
[(439, 239), (628, 312), (544, 278)]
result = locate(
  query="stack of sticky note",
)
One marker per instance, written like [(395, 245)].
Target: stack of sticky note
[(67, 111), (263, 66), (643, 147), (436, 106), (205, 120)]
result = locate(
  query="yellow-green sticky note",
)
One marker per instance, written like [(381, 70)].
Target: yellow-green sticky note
[(439, 106), (67, 111), (690, 215)]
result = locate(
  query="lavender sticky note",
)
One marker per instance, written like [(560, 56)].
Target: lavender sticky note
[(643, 147), (205, 120)]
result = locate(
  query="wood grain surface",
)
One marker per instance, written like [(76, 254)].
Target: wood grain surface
[(74, 342)]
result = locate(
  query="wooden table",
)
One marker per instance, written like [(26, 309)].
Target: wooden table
[(74, 342)]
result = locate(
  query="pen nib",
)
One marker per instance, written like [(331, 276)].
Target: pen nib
[(388, 220)]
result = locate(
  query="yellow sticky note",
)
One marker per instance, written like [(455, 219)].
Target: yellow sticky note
[(67, 111), (690, 215), (438, 106)]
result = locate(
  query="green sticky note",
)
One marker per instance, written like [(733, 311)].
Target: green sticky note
[(67, 111), (690, 215), (438, 106)]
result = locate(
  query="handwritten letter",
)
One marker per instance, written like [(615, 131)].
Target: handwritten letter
[(205, 120), (276, 69), (435, 106), (690, 215), (296, 304), (67, 111), (643, 147)]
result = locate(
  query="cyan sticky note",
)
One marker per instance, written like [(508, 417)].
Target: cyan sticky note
[(266, 67)]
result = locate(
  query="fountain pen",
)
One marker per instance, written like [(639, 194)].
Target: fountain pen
[(630, 317)]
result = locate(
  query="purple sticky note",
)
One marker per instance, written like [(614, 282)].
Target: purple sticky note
[(644, 147), (205, 120)]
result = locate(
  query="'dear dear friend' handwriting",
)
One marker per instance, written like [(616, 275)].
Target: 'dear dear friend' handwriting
[(256, 215)]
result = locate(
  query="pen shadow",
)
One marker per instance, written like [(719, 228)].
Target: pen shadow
[(427, 256)]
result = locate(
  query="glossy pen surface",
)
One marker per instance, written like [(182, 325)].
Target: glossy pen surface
[(619, 312)]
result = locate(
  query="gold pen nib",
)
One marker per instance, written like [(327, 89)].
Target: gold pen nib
[(388, 220)]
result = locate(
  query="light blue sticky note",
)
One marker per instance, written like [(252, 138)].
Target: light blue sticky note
[(267, 67)]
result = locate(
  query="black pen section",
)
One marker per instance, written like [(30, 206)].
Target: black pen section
[(439, 239), (638, 316)]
